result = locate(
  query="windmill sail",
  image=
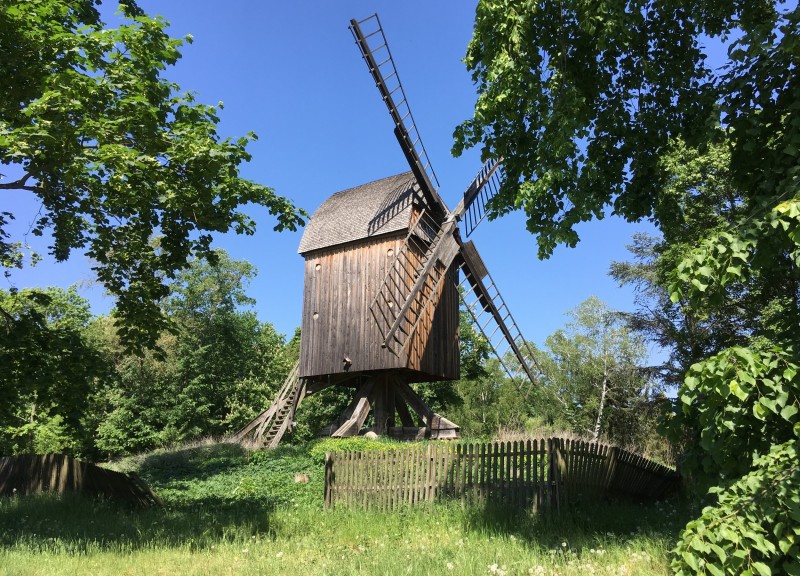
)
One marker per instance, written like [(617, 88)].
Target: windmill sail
[(414, 279), (374, 48), (492, 317), (483, 188), (409, 287)]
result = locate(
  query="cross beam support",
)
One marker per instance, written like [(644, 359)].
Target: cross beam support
[(390, 398)]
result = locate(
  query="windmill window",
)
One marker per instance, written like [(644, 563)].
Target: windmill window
[(317, 266), (315, 315), (389, 252)]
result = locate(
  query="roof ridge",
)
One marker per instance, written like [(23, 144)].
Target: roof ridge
[(372, 182), (360, 212)]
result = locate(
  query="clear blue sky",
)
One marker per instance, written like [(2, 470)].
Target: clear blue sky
[(290, 72)]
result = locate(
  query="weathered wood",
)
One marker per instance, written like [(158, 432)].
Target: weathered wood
[(327, 498), (537, 474), (340, 283), (354, 423), (380, 397), (402, 411), (439, 426), (34, 473)]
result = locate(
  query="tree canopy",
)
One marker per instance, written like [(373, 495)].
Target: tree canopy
[(583, 100), (116, 153), (614, 106)]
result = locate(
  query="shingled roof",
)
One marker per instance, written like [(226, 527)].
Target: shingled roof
[(368, 210)]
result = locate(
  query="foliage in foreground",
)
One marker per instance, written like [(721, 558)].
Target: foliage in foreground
[(586, 101), (755, 527), (115, 153), (229, 511)]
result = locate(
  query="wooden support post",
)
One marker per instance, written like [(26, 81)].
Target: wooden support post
[(358, 410), (438, 426), (390, 405), (364, 391), (402, 411), (380, 395)]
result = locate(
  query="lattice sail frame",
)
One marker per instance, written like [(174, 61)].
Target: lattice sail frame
[(411, 286), (485, 305), (408, 291), (371, 41)]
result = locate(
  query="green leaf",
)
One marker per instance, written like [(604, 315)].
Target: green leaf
[(690, 559), (762, 568), (719, 552), (789, 412)]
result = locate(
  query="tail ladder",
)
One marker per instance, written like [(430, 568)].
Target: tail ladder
[(268, 428)]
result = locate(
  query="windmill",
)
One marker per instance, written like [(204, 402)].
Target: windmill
[(381, 292)]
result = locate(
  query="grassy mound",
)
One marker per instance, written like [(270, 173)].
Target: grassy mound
[(230, 511)]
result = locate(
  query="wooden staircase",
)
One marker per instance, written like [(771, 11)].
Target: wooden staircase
[(267, 429)]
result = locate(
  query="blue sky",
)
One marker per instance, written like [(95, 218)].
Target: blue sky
[(290, 72)]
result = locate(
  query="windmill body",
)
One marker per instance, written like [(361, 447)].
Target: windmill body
[(381, 294), (350, 244)]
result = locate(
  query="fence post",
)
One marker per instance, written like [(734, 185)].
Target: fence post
[(553, 456), (328, 495), (428, 493)]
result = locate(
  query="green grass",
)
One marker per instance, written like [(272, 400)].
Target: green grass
[(232, 512)]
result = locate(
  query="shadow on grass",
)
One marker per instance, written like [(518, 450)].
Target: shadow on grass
[(583, 525), (75, 524), (191, 463)]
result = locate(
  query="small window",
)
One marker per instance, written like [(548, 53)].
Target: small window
[(317, 266)]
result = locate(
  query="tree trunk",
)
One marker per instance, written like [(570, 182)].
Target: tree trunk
[(603, 392)]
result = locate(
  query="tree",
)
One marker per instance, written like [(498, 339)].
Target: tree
[(219, 368), (584, 101), (700, 185), (230, 364), (116, 153), (47, 371), (595, 373)]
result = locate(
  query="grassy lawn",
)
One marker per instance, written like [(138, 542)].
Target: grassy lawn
[(232, 512)]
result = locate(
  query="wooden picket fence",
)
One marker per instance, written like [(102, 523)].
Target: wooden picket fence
[(34, 473), (537, 473)]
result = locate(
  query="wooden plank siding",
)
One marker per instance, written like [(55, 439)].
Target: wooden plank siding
[(340, 285), (534, 474), (35, 473)]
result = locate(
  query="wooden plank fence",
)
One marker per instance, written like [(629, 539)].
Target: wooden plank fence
[(519, 474), (33, 473)]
